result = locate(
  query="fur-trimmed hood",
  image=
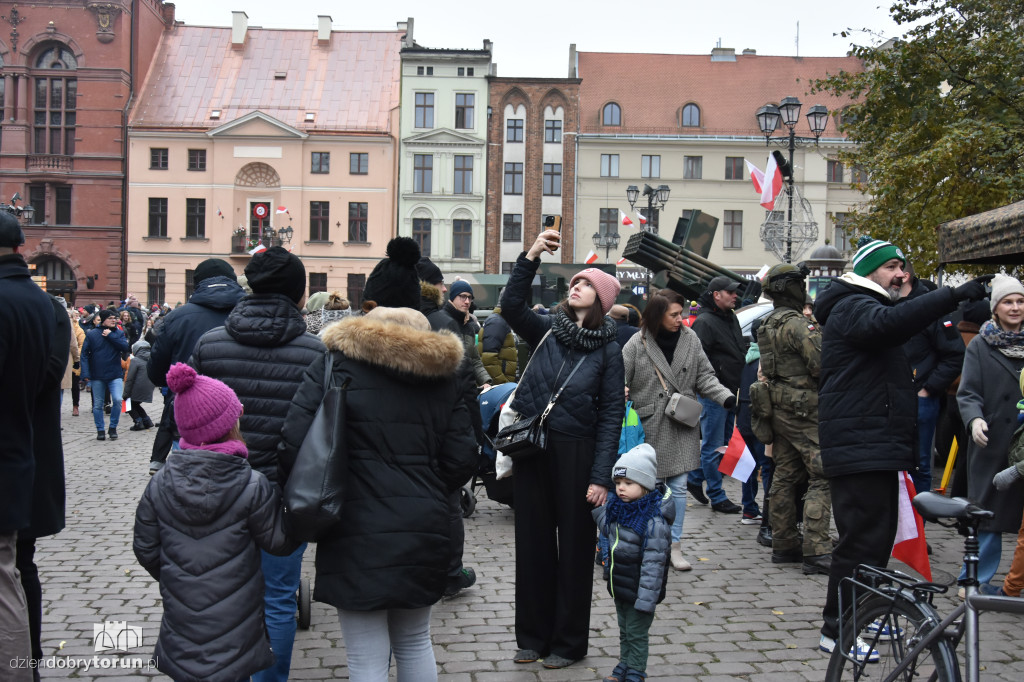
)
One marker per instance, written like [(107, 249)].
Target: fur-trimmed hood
[(431, 293), (395, 346)]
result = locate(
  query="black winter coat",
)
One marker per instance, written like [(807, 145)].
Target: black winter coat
[(936, 353), (467, 332), (722, 339), (409, 444), (48, 499), (432, 305), (199, 529), (867, 403), (261, 352), (177, 334), (593, 406)]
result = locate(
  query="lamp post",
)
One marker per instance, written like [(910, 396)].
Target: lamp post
[(606, 241), (788, 112), (655, 197), (285, 235), (25, 213)]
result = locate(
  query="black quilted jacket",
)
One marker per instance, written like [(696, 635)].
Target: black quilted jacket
[(593, 405), (261, 352)]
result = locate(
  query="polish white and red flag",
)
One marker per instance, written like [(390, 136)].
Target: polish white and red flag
[(591, 258), (282, 209), (736, 458), (621, 261), (625, 219), (257, 249), (910, 547), (643, 220), (769, 189)]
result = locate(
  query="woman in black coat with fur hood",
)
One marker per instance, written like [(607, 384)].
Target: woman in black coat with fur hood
[(410, 443), (556, 491)]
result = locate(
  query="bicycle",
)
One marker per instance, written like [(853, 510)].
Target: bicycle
[(894, 615)]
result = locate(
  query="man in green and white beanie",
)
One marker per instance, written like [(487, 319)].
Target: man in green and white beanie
[(872, 254)]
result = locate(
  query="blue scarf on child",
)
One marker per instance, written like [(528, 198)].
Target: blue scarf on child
[(633, 515)]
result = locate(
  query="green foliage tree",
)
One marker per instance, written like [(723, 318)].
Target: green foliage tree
[(937, 120)]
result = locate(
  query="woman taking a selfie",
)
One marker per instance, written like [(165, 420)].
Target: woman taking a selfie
[(666, 346), (555, 490)]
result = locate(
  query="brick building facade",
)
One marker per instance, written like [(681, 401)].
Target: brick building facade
[(69, 72), (531, 133)]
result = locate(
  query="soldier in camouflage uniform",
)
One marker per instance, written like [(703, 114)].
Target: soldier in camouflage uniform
[(791, 362)]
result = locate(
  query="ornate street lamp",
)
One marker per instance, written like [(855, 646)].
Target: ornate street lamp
[(24, 213), (285, 234), (656, 198), (768, 118), (606, 242)]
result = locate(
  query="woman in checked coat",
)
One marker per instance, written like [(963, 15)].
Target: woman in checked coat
[(666, 345)]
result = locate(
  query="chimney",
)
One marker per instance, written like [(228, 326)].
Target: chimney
[(573, 60), (723, 54), (488, 45), (239, 25), (167, 11), (323, 29), (407, 26)]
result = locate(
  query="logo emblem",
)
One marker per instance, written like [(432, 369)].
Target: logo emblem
[(115, 635)]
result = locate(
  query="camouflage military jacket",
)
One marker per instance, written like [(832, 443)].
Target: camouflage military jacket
[(790, 347)]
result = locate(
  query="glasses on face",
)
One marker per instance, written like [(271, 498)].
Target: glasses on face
[(465, 297)]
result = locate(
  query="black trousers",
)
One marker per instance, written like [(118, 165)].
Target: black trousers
[(138, 412), (165, 432), (25, 563), (555, 536), (457, 533), (866, 510)]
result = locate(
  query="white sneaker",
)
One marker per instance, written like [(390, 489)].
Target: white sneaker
[(828, 645), (884, 632)]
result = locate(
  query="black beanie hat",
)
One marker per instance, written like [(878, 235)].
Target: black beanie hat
[(276, 271), (213, 267), (107, 313), (428, 272), (394, 282)]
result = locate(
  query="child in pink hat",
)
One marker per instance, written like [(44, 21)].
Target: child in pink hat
[(198, 530)]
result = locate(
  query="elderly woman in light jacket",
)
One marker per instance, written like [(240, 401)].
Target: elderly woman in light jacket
[(666, 346)]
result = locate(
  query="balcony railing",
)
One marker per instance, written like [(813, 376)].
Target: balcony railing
[(50, 163)]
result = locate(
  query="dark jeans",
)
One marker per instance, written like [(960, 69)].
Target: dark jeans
[(866, 510), (138, 412), (76, 389), (927, 419)]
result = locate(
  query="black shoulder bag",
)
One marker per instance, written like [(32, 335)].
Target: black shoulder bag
[(314, 492), (528, 436)]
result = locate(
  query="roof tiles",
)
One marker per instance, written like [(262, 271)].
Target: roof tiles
[(652, 89), (351, 83)]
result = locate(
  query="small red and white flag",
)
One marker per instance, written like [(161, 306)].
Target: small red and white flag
[(591, 258), (219, 213), (257, 249), (770, 189), (621, 261), (626, 220), (282, 209), (643, 220), (736, 458), (910, 546)]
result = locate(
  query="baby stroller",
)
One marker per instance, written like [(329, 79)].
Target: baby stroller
[(491, 402)]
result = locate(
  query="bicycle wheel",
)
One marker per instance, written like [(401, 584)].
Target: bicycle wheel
[(893, 628)]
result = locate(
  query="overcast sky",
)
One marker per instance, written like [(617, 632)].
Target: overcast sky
[(535, 40)]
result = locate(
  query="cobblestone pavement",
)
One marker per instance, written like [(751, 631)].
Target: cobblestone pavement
[(736, 616)]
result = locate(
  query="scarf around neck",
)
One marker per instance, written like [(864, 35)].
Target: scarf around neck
[(1010, 344), (633, 515), (575, 337), (228, 447)]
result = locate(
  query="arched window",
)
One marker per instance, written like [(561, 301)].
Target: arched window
[(611, 115), (54, 102), (690, 116)]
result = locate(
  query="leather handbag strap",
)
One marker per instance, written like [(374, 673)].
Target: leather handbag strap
[(554, 398)]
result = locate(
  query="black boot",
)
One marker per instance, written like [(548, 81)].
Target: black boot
[(147, 423), (112, 433), (137, 426)]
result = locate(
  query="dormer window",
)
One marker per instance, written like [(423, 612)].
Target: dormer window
[(611, 115)]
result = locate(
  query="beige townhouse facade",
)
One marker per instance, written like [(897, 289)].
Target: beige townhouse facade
[(244, 136)]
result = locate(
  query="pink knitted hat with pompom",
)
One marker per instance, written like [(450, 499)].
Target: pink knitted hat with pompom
[(607, 286), (204, 408)]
